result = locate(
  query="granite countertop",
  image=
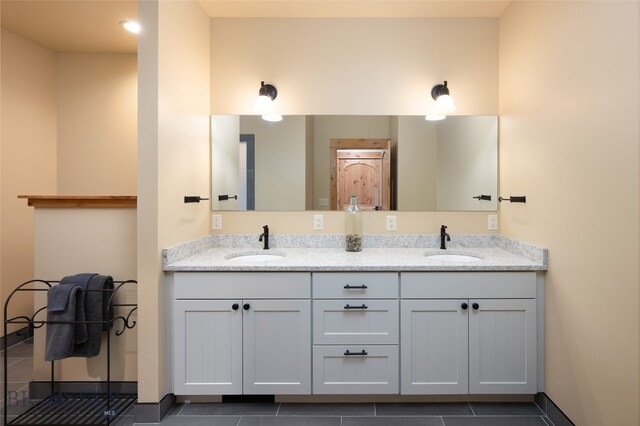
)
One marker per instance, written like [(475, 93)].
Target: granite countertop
[(380, 253)]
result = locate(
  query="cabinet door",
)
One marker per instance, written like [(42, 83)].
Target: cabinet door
[(207, 347), (434, 347), (502, 346), (277, 347)]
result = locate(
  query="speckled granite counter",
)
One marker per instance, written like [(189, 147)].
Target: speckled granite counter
[(380, 253)]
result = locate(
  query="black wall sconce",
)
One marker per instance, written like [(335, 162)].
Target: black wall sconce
[(264, 103), (444, 102)]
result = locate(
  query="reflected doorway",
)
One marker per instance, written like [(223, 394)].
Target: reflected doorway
[(361, 167)]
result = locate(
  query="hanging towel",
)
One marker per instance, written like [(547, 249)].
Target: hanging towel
[(96, 308), (81, 280), (64, 303)]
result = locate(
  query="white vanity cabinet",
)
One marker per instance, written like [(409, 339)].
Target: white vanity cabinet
[(241, 333), (465, 332), (355, 333)]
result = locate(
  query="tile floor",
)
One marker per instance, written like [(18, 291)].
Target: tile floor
[(20, 362)]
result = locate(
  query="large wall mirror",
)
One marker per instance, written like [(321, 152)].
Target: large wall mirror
[(312, 162)]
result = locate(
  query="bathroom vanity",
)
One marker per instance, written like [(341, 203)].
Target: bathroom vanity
[(384, 321)]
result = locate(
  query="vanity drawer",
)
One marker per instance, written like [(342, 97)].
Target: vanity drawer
[(360, 321), (242, 285), (355, 285), (468, 285), (368, 370)]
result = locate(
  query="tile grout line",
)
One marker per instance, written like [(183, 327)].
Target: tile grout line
[(375, 411), (239, 420), (278, 410), (472, 410)]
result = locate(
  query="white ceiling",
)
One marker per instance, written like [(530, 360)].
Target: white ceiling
[(92, 25)]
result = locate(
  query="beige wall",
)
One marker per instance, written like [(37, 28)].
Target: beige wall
[(28, 161), (173, 161), (569, 141), (358, 67), (354, 66), (97, 106)]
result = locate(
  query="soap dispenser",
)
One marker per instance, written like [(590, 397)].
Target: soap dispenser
[(353, 225)]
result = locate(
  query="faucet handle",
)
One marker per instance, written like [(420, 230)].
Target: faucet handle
[(266, 228)]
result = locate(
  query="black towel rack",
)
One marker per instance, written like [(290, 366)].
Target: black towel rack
[(66, 408)]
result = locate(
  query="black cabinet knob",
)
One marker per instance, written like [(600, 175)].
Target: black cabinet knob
[(235, 306), (464, 306), (246, 306), (475, 306)]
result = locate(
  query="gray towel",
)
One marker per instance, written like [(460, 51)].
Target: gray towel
[(82, 280), (93, 307), (64, 303), (97, 308)]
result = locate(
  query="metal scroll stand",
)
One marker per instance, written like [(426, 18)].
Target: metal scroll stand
[(71, 408)]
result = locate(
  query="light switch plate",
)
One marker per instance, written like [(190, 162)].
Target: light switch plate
[(318, 222), (392, 223), (216, 221), (492, 222), (323, 202)]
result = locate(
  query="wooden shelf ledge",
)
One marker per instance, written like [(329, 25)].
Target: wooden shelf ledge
[(81, 200)]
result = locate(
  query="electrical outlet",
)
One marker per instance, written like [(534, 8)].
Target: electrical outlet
[(318, 222), (323, 202), (492, 222), (392, 223), (216, 221)]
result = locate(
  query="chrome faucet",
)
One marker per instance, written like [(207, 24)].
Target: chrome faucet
[(443, 235), (265, 236)]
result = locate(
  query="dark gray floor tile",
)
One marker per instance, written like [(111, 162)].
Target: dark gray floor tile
[(289, 421), (557, 417), (494, 421), (547, 421), (424, 409), (392, 421), (200, 421), (123, 421), (541, 401), (229, 409), (176, 409), (326, 410), (506, 409), (16, 391)]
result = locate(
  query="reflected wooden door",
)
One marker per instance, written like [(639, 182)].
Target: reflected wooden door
[(360, 167)]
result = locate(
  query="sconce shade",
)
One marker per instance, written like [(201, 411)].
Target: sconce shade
[(444, 101)]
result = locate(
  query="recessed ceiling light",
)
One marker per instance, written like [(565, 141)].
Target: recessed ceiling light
[(131, 26)]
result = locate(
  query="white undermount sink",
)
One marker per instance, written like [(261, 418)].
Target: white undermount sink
[(453, 257), (253, 257)]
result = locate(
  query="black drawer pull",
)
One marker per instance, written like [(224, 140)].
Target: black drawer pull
[(355, 287), (363, 306), (363, 353)]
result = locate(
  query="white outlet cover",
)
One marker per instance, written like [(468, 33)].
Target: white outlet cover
[(216, 221), (318, 222), (492, 222), (392, 223)]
